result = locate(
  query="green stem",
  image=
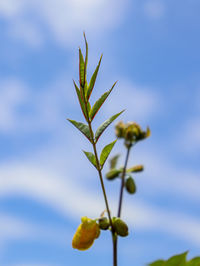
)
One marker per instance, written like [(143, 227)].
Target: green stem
[(114, 237)]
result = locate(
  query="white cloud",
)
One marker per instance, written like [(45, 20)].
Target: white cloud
[(189, 137), (154, 9), (12, 94), (142, 103), (11, 8), (66, 19), (167, 179), (73, 199), (26, 31)]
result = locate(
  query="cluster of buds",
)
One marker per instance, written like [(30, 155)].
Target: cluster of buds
[(120, 227), (114, 173), (131, 132), (89, 230)]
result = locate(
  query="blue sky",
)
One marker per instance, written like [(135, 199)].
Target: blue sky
[(46, 184)]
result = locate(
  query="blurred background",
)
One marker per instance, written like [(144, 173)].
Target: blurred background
[(46, 183)]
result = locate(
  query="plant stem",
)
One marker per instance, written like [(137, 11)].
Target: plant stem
[(114, 239), (123, 180), (114, 236)]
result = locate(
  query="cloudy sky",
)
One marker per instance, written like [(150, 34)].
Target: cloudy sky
[(46, 184)]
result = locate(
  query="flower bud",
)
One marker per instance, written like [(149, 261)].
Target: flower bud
[(120, 227), (132, 131), (136, 169), (119, 129), (112, 174), (104, 223), (130, 185)]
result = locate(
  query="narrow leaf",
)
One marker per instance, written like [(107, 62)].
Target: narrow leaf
[(99, 103), (93, 79), (88, 107), (105, 124), (177, 260), (81, 69), (80, 100), (91, 158), (82, 127), (86, 58), (105, 152)]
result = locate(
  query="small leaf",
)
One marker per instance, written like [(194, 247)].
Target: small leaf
[(86, 58), (81, 69), (99, 103), (93, 79), (177, 260), (105, 152), (88, 107), (157, 263), (80, 100), (104, 125), (113, 161), (82, 127), (91, 158)]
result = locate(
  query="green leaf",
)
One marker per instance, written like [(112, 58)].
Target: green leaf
[(80, 100), (93, 79), (179, 260), (99, 103), (105, 152), (104, 125), (157, 263), (194, 262), (82, 127), (91, 158), (81, 70), (86, 58)]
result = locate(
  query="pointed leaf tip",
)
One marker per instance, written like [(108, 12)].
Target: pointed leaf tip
[(81, 69), (93, 79)]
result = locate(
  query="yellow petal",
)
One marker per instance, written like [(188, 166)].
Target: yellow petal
[(86, 233)]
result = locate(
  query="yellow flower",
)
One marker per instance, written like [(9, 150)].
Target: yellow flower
[(85, 234)]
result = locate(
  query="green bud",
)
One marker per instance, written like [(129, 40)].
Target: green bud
[(119, 129), (112, 174), (104, 223), (132, 131), (120, 227), (130, 185), (113, 161), (135, 169)]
